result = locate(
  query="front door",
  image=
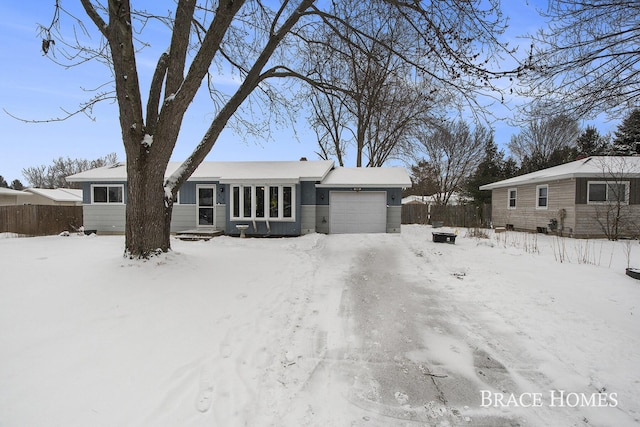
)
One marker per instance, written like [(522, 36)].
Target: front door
[(206, 205)]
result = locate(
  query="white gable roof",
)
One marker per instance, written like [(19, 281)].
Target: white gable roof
[(367, 178), (58, 194), (590, 167), (11, 192), (225, 172)]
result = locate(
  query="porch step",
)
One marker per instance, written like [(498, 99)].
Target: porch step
[(193, 235)]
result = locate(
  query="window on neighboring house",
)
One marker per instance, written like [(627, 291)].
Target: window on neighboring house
[(273, 202), (513, 194), (542, 196), (107, 194), (607, 192)]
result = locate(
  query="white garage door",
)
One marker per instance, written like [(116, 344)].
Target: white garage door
[(361, 212)]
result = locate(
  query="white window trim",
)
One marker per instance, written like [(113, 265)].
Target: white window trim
[(538, 187), (93, 202), (253, 216), (509, 199), (606, 194)]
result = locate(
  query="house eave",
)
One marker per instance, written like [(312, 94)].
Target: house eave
[(355, 186)]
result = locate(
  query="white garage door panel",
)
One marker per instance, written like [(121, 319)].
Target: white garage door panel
[(361, 212)]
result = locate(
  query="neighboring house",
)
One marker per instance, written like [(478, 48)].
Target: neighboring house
[(416, 200), (454, 200), (287, 198), (575, 197), (9, 197), (46, 196)]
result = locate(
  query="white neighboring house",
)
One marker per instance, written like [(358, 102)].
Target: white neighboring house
[(46, 196), (9, 197), (455, 199)]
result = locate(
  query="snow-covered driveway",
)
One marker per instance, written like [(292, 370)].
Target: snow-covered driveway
[(338, 330)]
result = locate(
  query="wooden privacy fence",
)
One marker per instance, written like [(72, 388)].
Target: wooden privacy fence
[(452, 216), (39, 220)]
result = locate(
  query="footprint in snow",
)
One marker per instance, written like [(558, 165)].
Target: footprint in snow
[(205, 393)]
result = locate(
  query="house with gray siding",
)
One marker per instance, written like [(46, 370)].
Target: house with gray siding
[(272, 198), (575, 199)]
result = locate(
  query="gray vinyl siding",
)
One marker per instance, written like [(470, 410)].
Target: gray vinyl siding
[(104, 218), (561, 195), (183, 217), (587, 225), (394, 218), (322, 218), (308, 219), (308, 193), (188, 192)]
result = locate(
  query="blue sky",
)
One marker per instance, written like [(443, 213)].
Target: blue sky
[(33, 87)]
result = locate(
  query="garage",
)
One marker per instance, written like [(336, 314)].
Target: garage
[(358, 212)]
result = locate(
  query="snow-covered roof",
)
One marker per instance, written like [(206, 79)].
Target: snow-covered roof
[(11, 192), (58, 194), (367, 178), (416, 199), (595, 166), (454, 199), (225, 172)]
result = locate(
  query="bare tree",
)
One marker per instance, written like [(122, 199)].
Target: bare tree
[(54, 175), (378, 88), (587, 62), (329, 120), (369, 100), (544, 136), (453, 152), (258, 42)]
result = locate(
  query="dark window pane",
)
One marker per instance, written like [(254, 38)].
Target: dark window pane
[(100, 194), (236, 202), (115, 194), (247, 202), (542, 196), (286, 200), (273, 201), (205, 216), (597, 192), (260, 202), (205, 196), (617, 192)]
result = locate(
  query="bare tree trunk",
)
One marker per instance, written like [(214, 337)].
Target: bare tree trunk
[(148, 214)]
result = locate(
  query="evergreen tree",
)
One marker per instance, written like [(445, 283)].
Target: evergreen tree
[(627, 140), (489, 170), (591, 143), (3, 182), (17, 185)]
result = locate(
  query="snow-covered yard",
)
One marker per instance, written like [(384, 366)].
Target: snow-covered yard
[(337, 330)]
